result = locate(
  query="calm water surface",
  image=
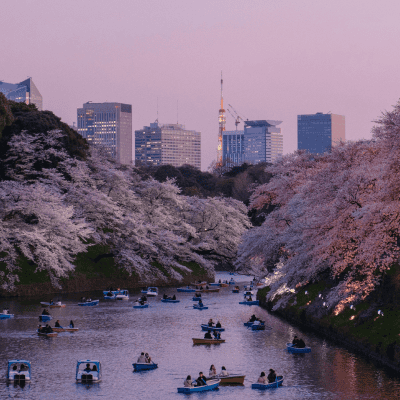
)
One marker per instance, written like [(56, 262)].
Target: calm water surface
[(115, 334)]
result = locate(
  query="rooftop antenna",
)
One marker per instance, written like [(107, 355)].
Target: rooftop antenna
[(177, 112), (157, 112), (221, 120)]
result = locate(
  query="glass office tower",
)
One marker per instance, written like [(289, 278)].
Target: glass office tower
[(168, 144), (108, 125), (23, 92), (318, 133), (260, 141)]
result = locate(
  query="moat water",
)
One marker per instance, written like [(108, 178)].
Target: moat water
[(115, 334)]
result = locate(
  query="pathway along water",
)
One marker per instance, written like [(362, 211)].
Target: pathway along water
[(115, 334)]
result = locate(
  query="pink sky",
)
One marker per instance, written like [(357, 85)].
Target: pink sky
[(279, 59)]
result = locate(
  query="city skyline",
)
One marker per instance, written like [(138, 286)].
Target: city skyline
[(280, 59)]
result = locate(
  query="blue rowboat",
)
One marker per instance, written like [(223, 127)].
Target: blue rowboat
[(235, 290), (292, 349), (141, 306), (197, 307), (114, 292), (44, 318), (262, 386), (258, 327), (205, 327), (196, 298), (6, 315), (212, 384), (186, 290), (170, 301), (250, 303), (144, 366), (213, 284), (89, 303)]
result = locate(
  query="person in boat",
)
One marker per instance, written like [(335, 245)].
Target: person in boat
[(173, 297), (253, 318), (301, 344), (148, 358), (213, 371), (207, 287), (201, 303), (142, 358), (51, 302), (188, 382), (271, 376), (219, 281), (45, 312), (141, 302), (109, 294), (71, 324), (210, 322), (94, 369), (218, 325), (40, 328), (224, 372), (165, 297), (250, 298), (83, 299), (217, 335), (262, 378), (48, 328), (14, 368), (57, 324), (88, 300), (23, 367), (87, 369), (207, 335), (201, 380), (295, 341), (144, 298), (197, 295)]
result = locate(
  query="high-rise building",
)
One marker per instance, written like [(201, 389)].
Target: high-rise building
[(23, 92), (168, 144), (318, 133), (260, 141), (109, 125)]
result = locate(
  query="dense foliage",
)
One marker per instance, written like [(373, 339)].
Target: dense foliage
[(57, 196), (335, 214)]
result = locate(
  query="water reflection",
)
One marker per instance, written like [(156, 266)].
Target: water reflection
[(116, 334)]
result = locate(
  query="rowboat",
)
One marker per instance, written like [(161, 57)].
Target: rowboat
[(124, 295), (21, 373), (211, 385), (205, 327), (213, 284), (235, 290), (137, 305), (197, 307), (6, 315), (90, 374), (231, 379), (61, 329), (44, 317), (90, 303), (151, 291), (144, 366), (262, 386), (208, 341), (52, 334), (209, 290), (204, 283), (258, 327), (250, 303), (52, 305), (170, 301), (187, 290), (292, 349)]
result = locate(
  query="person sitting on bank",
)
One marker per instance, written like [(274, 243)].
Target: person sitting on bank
[(218, 325), (262, 378), (207, 335), (57, 324), (223, 372), (87, 369), (201, 380), (271, 376), (210, 322), (142, 358), (188, 382), (71, 324), (213, 371)]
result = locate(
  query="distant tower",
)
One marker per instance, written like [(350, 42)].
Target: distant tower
[(222, 120)]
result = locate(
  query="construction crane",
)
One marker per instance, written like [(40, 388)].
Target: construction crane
[(237, 117)]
